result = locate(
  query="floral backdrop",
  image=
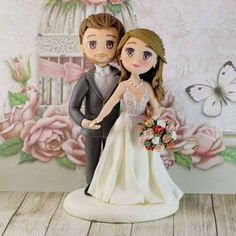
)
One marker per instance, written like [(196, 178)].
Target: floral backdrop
[(45, 133)]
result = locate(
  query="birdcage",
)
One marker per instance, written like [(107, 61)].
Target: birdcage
[(58, 42)]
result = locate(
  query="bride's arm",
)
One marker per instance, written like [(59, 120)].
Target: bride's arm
[(113, 100), (154, 104)]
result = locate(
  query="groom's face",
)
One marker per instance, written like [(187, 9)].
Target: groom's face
[(99, 45)]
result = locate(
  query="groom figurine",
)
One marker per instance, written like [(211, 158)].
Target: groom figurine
[(99, 36)]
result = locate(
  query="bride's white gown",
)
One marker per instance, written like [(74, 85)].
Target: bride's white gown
[(127, 173)]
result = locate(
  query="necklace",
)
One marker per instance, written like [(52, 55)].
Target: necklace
[(136, 85)]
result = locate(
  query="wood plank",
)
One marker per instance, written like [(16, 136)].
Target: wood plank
[(108, 229), (225, 214), (154, 228), (9, 203), (195, 216), (33, 216), (64, 224)]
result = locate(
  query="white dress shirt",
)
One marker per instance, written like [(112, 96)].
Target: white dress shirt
[(103, 78)]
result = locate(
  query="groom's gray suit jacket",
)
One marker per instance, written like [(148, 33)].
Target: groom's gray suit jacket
[(87, 88)]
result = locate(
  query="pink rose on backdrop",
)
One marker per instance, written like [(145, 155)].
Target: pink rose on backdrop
[(74, 147), (44, 138), (209, 141), (21, 72), (116, 2), (183, 130), (167, 162), (168, 100), (95, 2), (15, 120)]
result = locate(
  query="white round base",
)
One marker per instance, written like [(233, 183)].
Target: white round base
[(88, 208)]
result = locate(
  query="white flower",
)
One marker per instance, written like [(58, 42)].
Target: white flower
[(161, 123), (156, 140), (174, 135)]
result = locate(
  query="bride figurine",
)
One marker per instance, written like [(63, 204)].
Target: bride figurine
[(130, 183), (127, 173)]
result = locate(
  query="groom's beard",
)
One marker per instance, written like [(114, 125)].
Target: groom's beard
[(100, 59)]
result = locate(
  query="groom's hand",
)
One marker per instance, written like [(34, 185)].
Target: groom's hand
[(89, 124), (93, 124)]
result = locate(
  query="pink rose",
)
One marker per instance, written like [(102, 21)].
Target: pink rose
[(95, 2), (189, 147), (15, 120), (159, 147), (210, 143), (166, 138), (167, 163), (148, 134), (21, 72), (116, 2), (74, 147), (44, 138), (142, 139), (170, 128), (167, 157)]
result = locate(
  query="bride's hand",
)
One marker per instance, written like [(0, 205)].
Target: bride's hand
[(93, 124)]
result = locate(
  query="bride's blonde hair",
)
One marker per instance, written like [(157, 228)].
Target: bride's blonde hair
[(154, 76)]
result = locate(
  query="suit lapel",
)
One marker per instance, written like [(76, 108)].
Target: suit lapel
[(115, 80), (93, 84), (113, 85)]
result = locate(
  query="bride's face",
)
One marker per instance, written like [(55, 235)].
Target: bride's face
[(137, 57)]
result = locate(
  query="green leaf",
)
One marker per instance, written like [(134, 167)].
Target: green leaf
[(113, 8), (11, 147), (29, 67), (64, 161), (183, 160), (26, 157), (229, 154), (147, 143), (68, 6), (51, 2), (17, 98)]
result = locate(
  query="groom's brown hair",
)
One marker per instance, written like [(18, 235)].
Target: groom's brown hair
[(101, 21)]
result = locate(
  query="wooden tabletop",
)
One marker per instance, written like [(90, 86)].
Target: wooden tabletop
[(26, 213)]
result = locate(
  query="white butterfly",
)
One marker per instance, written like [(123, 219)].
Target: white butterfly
[(222, 92)]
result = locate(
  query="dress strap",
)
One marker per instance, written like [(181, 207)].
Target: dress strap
[(126, 87)]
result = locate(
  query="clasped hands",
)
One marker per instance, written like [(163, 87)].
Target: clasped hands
[(90, 124)]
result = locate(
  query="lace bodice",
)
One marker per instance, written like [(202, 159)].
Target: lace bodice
[(131, 106)]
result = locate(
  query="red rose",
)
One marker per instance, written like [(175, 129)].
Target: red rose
[(157, 129), (142, 127), (170, 145), (150, 148)]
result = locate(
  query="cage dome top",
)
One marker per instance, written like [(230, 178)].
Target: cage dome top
[(60, 22)]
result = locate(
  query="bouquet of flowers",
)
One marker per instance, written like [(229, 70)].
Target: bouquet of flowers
[(157, 134)]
